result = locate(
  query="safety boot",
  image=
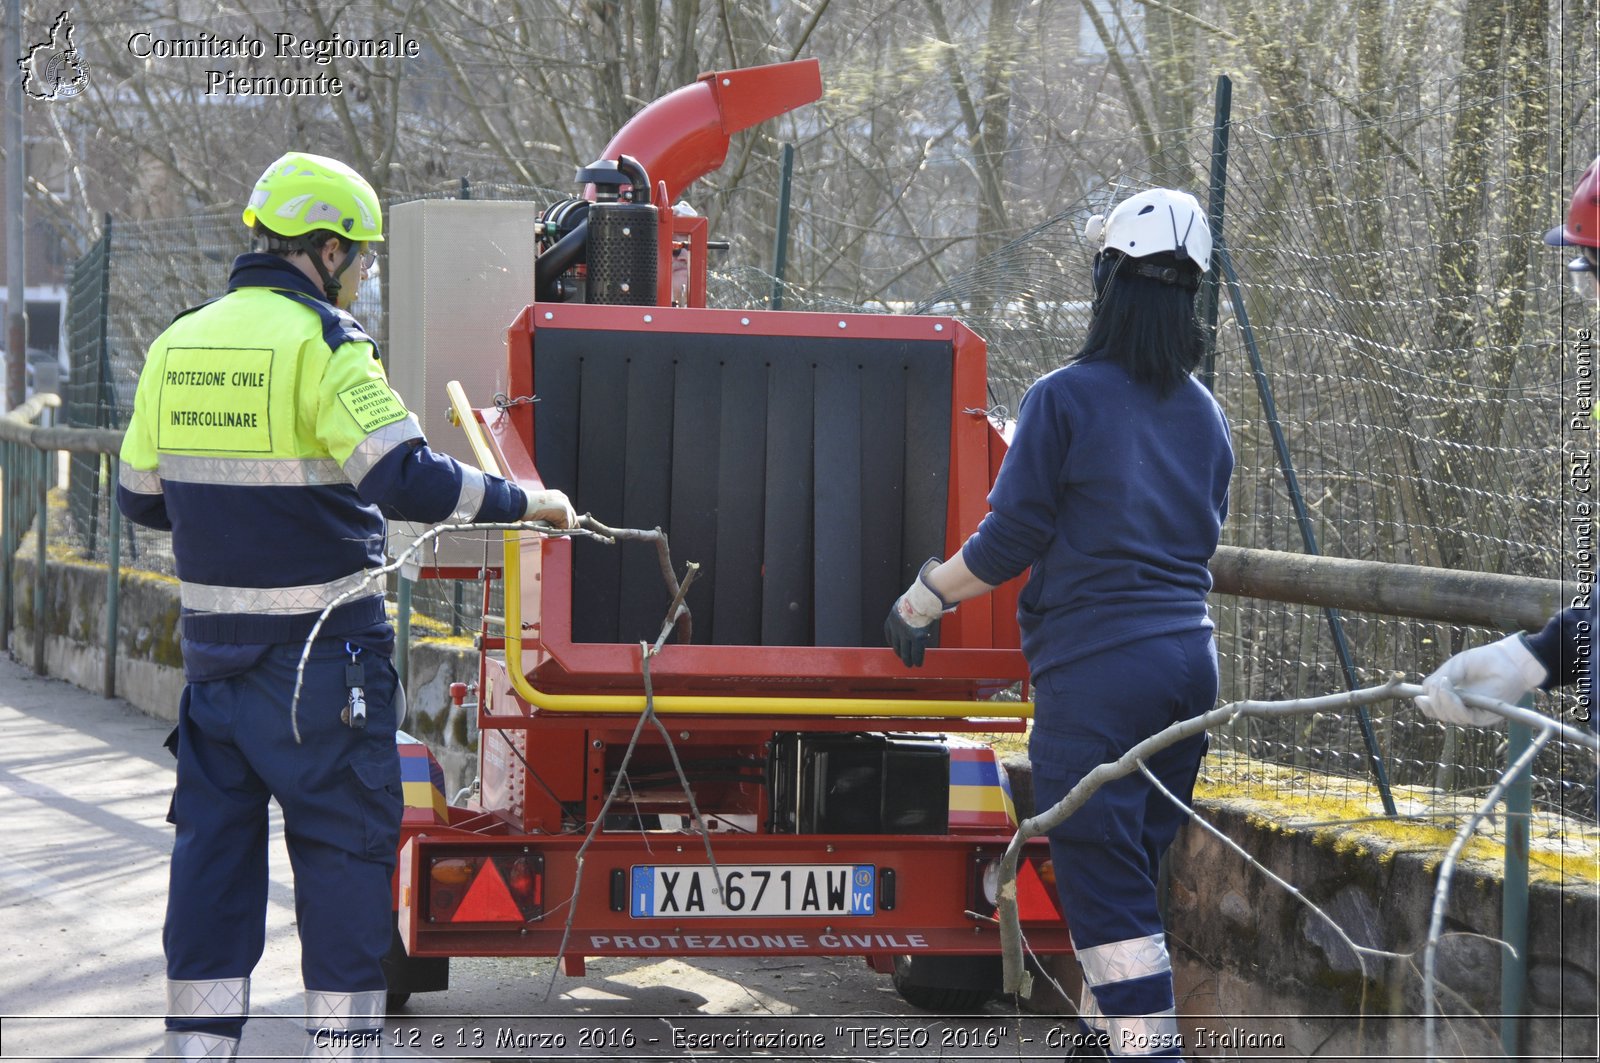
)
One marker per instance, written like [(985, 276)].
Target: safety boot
[(1089, 1043)]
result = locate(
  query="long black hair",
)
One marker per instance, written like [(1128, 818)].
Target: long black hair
[(1144, 318)]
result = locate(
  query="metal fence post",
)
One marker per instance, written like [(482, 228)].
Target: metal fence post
[(8, 518), (41, 560), (780, 243), (1210, 287), (105, 390), (113, 576), (402, 630), (1514, 895), (1308, 534)]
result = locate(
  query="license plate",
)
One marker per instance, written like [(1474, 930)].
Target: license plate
[(687, 891)]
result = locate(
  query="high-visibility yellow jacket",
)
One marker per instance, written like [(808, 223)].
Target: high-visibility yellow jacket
[(266, 437)]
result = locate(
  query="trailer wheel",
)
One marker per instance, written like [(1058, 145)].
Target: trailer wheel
[(945, 985), (406, 974)]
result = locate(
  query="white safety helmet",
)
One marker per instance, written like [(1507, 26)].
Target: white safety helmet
[(1153, 221)]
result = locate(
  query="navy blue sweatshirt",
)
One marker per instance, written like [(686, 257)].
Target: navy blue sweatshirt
[(1565, 648), (1116, 498)]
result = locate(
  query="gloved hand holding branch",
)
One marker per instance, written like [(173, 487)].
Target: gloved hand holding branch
[(1505, 671)]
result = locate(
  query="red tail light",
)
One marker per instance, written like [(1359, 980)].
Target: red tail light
[(1037, 901), (487, 888)]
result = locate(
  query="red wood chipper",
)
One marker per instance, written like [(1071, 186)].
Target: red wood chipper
[(795, 790)]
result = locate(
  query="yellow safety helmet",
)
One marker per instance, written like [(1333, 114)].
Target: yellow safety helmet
[(302, 193)]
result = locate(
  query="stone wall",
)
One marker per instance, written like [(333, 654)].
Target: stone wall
[(1258, 974), (150, 662), (1245, 947)]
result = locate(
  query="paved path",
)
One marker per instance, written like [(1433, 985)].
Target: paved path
[(84, 843)]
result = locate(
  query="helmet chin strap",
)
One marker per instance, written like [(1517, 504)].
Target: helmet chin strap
[(1104, 272), (330, 281), (311, 244)]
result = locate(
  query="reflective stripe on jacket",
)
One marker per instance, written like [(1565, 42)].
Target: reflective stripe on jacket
[(266, 437)]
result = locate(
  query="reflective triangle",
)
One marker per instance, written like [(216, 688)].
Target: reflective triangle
[(488, 900), (1035, 900)]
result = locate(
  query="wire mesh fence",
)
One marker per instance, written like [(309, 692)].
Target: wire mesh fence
[(1417, 344), (1420, 358)]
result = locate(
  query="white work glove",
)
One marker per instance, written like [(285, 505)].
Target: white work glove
[(551, 507), (1504, 670), (913, 621)]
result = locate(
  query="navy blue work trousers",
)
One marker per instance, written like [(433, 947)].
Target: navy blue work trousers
[(339, 788), (1106, 856)]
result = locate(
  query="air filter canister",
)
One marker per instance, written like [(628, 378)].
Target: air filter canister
[(622, 253)]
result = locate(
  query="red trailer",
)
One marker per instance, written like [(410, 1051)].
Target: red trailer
[(794, 789)]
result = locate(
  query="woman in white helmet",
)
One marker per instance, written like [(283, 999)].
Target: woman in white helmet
[(1113, 493)]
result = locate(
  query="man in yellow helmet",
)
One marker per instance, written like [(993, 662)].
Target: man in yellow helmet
[(266, 438)]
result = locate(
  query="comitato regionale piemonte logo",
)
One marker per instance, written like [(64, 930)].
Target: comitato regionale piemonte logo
[(53, 69)]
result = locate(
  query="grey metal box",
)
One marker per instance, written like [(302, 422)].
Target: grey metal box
[(460, 271)]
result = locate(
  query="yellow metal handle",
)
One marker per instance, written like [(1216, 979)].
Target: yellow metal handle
[(634, 703), (887, 708), (668, 704), (462, 411)]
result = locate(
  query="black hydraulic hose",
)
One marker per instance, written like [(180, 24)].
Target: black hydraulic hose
[(557, 259)]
